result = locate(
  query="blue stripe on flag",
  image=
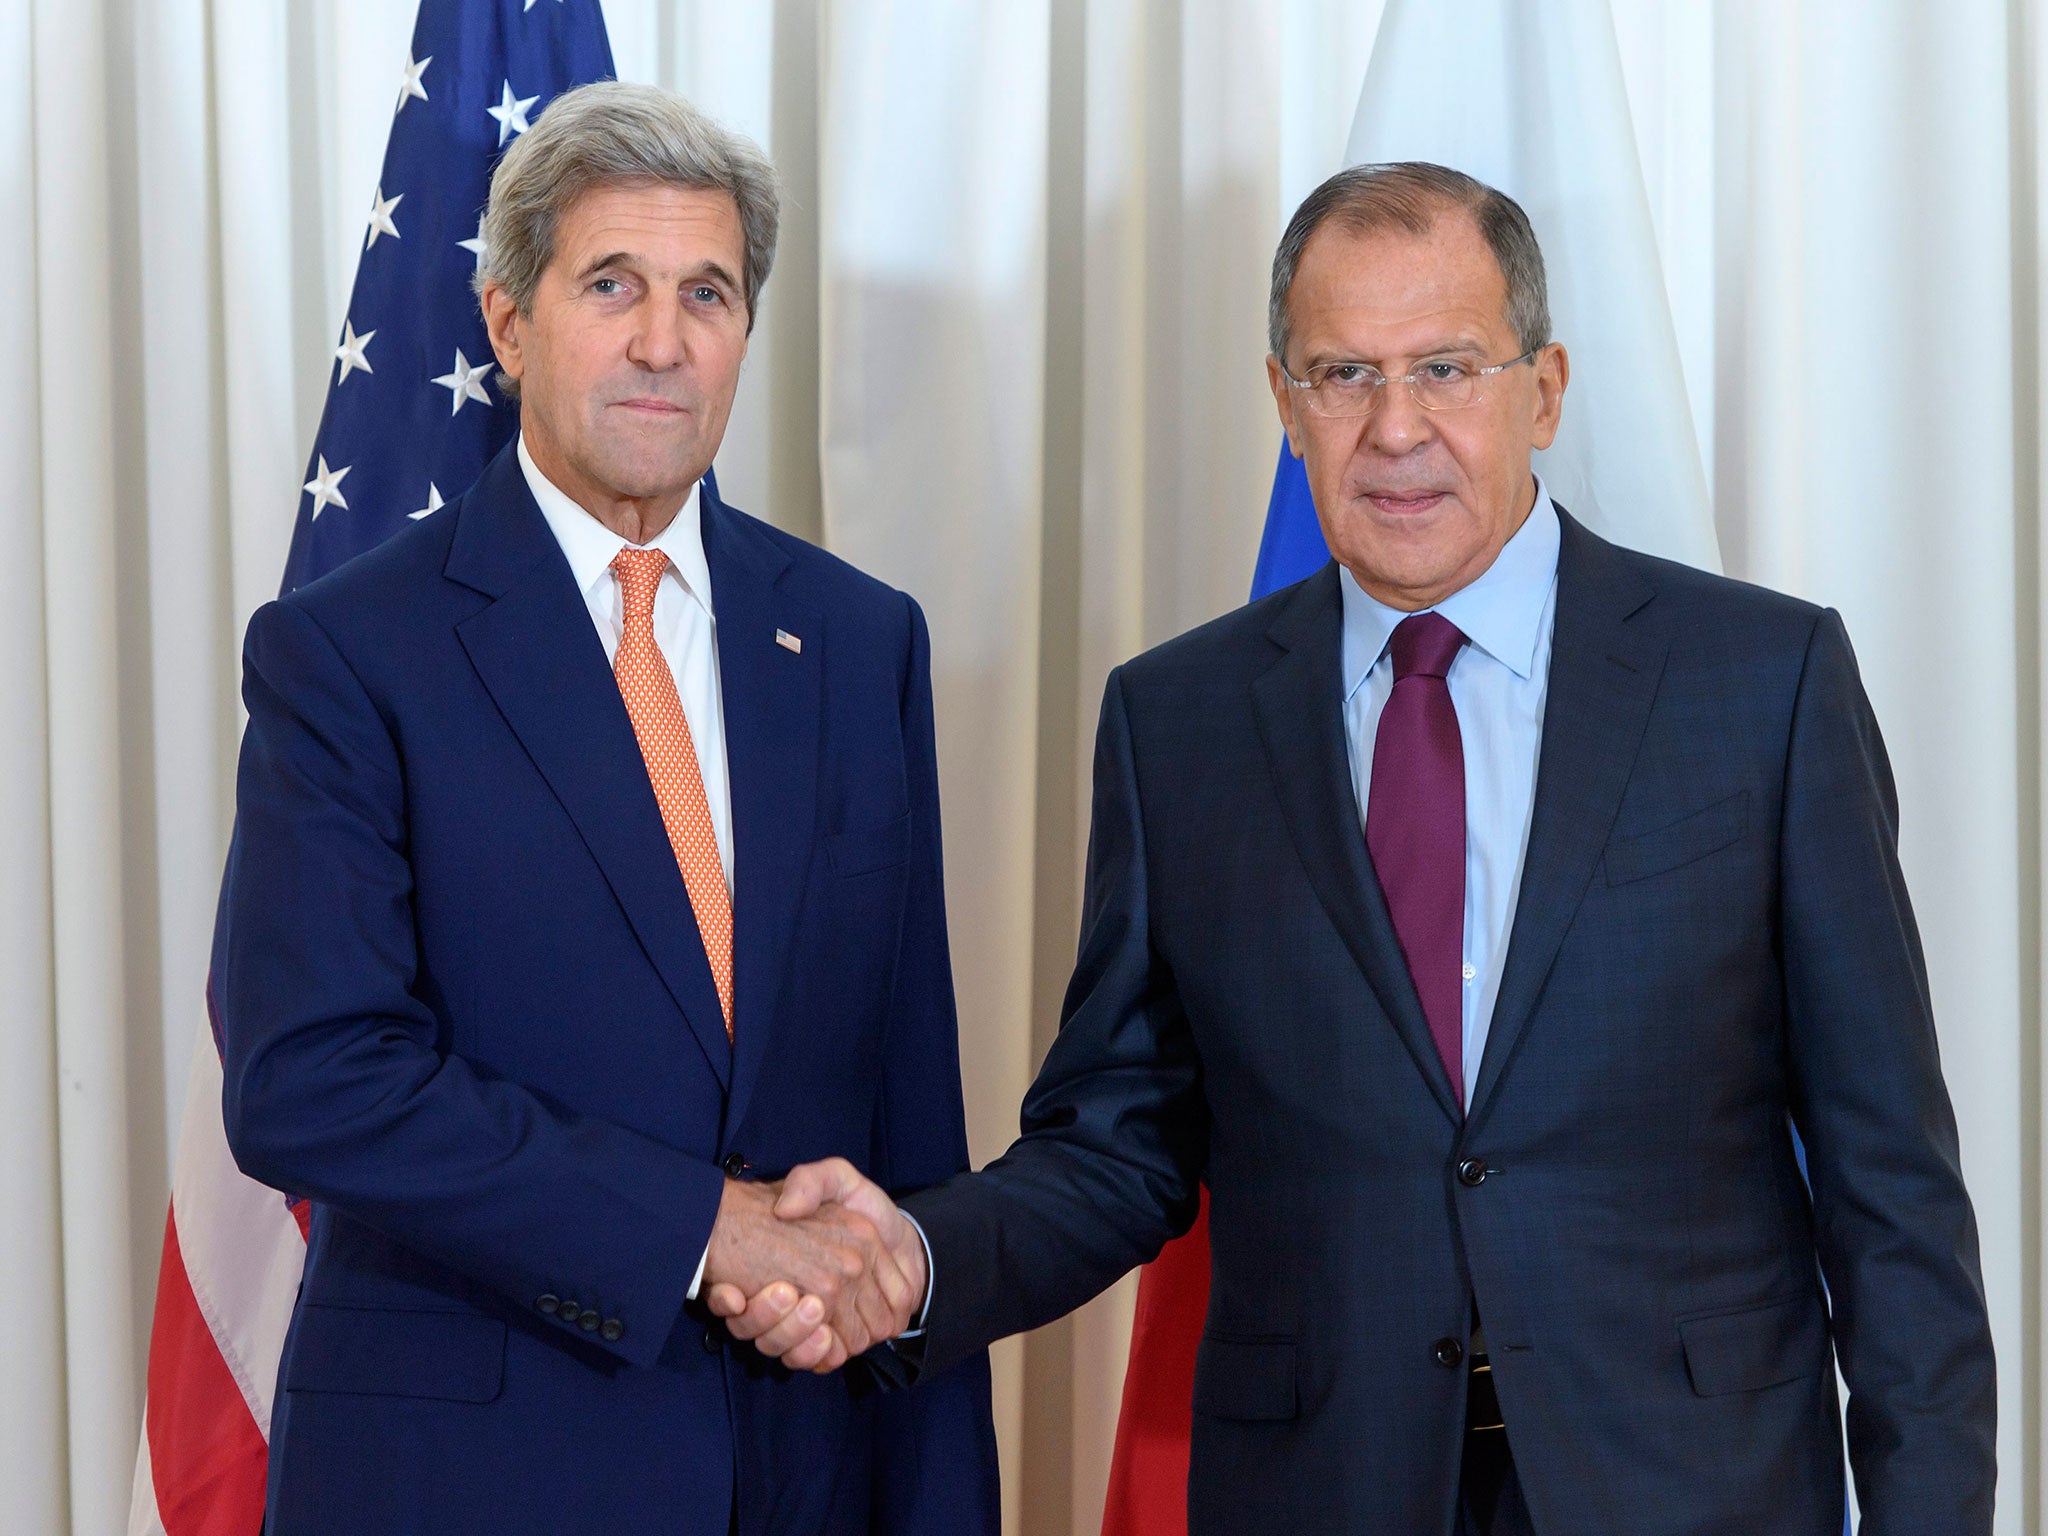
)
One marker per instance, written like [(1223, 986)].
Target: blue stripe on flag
[(1292, 546)]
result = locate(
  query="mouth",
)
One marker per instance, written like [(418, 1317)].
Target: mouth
[(1405, 503), (651, 405)]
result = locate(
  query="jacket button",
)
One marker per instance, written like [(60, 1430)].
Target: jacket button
[(1472, 1172), (1448, 1353), (712, 1343), (611, 1330), (548, 1305), (735, 1164), (587, 1322)]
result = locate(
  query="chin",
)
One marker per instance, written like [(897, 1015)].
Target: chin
[(1405, 571), (636, 476)]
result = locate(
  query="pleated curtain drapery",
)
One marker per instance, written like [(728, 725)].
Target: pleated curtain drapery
[(1011, 360)]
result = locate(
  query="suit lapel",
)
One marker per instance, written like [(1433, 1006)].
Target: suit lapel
[(543, 665), (1604, 671), (772, 700), (1300, 708)]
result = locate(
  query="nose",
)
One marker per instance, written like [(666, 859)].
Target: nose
[(1398, 424), (660, 341)]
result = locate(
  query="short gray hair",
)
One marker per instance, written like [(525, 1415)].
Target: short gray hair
[(1411, 195), (609, 133)]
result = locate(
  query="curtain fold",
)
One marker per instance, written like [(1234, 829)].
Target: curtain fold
[(1010, 359)]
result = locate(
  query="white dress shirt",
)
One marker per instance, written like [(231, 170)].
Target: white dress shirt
[(684, 626), (1498, 686)]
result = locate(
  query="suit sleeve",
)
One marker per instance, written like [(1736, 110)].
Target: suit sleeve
[(935, 1448), (337, 1085), (1115, 1129), (1896, 1235)]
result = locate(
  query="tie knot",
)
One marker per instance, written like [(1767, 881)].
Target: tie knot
[(1425, 645), (639, 572)]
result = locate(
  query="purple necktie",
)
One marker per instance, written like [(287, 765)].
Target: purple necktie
[(1415, 826)]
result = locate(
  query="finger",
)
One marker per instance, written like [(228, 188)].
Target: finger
[(814, 1184), (793, 1329), (877, 1302), (818, 1352), (897, 1287), (833, 1360), (726, 1300), (757, 1316)]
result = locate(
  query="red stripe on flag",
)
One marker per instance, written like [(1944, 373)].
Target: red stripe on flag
[(207, 1458), (1148, 1472)]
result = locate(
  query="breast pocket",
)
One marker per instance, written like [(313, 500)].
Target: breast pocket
[(863, 850), (1682, 842)]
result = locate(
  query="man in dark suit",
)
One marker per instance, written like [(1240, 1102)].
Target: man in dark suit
[(1481, 918), (585, 877)]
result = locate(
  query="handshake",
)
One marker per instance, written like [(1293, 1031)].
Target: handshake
[(816, 1269)]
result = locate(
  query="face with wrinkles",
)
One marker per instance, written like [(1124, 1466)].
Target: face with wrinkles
[(1415, 503), (629, 359)]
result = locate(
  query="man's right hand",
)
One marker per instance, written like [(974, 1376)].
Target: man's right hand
[(782, 1322), (829, 1274)]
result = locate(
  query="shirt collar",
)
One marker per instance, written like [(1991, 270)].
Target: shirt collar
[(590, 546), (1501, 611)]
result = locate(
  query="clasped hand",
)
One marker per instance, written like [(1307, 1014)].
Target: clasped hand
[(814, 1270)]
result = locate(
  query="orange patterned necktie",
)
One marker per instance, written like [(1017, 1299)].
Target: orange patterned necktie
[(649, 689)]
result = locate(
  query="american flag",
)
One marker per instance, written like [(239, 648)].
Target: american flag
[(413, 414)]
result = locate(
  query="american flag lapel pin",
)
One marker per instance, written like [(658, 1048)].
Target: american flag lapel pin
[(789, 642)]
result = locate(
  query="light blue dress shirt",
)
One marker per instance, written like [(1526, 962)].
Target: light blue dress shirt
[(1498, 685)]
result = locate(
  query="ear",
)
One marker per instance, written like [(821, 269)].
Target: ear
[(1553, 373), (501, 320), (1283, 398)]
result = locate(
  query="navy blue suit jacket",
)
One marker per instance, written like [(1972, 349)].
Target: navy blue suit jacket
[(1712, 945), (468, 1014)]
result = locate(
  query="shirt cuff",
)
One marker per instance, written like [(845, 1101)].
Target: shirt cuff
[(697, 1280), (924, 1310)]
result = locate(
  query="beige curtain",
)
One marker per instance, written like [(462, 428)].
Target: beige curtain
[(1010, 360)]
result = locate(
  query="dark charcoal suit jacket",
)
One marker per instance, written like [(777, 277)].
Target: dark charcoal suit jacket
[(1712, 947)]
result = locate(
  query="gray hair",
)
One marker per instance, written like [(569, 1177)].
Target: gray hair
[(603, 134), (1411, 195)]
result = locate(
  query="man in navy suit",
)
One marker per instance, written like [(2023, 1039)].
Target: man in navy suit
[(586, 877), (1481, 918)]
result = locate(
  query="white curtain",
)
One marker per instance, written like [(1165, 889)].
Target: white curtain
[(1011, 360)]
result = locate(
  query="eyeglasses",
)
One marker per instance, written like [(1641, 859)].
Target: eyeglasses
[(1438, 384)]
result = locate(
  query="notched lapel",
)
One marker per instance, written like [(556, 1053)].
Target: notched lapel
[(773, 695), (1300, 708), (543, 665), (1606, 659)]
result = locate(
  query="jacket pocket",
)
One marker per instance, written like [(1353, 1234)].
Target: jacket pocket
[(1760, 1347), (1703, 832), (1245, 1378), (863, 850), (454, 1356)]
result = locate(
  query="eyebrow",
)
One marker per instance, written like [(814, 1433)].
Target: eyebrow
[(1447, 347), (612, 259)]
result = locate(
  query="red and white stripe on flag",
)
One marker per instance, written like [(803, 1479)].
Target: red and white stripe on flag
[(233, 1254)]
